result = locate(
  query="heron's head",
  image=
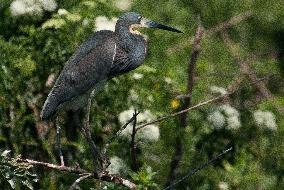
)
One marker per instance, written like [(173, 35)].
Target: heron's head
[(135, 20)]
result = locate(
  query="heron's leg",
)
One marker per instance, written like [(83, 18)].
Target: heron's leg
[(99, 160), (58, 140)]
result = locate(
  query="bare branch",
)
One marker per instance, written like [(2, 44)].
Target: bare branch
[(53, 166), (244, 66), (201, 104), (186, 103), (104, 176), (183, 111), (215, 29), (247, 70), (227, 24)]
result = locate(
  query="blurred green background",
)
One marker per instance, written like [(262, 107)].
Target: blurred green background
[(37, 37)]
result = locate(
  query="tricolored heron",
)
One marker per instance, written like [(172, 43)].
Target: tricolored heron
[(103, 56)]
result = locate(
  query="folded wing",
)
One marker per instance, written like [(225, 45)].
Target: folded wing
[(88, 66)]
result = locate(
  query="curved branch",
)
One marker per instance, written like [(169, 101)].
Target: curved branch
[(73, 186)]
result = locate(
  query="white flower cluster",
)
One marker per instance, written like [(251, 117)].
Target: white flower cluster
[(32, 7), (225, 114), (149, 133), (223, 185), (218, 90), (62, 12), (217, 119), (168, 80), (137, 76), (133, 95), (123, 5), (117, 165), (265, 119), (103, 23)]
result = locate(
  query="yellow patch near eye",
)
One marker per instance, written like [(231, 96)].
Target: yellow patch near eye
[(133, 27)]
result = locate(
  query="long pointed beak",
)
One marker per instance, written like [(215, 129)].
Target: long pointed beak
[(153, 24)]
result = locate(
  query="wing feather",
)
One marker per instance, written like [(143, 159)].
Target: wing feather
[(87, 67)]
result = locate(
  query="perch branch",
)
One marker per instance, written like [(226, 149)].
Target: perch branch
[(104, 176)]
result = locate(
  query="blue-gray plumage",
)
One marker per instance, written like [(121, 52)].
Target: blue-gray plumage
[(103, 56)]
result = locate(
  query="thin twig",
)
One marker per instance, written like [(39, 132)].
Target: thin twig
[(194, 171), (122, 128), (162, 118), (75, 184), (183, 111), (111, 139), (133, 152)]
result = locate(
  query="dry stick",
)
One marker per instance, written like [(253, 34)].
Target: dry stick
[(218, 28), (221, 97), (133, 151), (53, 166), (187, 102), (194, 171), (246, 69), (75, 184), (101, 176)]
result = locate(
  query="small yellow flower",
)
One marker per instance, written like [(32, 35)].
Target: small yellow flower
[(175, 103), (157, 85)]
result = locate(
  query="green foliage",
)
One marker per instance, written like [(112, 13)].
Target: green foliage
[(34, 48), (16, 174), (144, 178)]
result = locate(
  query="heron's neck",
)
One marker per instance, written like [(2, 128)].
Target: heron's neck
[(126, 39)]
